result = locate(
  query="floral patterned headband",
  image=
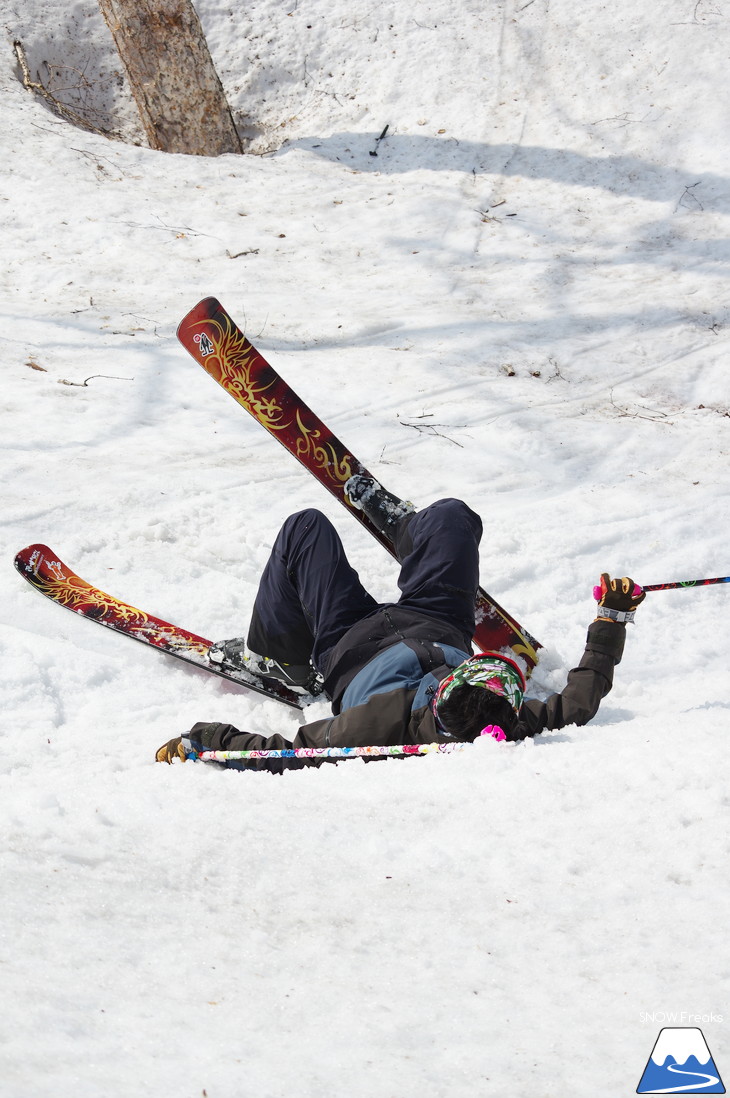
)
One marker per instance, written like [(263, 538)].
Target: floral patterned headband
[(490, 670)]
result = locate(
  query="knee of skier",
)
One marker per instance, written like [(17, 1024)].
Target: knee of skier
[(446, 520), (310, 516), (455, 510), (450, 504)]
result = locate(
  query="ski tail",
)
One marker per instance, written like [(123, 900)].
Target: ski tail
[(47, 573)]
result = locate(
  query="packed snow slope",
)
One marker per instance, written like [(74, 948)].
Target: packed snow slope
[(522, 300)]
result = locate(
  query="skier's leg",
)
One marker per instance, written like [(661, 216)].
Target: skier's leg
[(308, 596), (439, 553)]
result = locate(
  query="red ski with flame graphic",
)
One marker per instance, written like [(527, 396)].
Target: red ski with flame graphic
[(54, 579), (220, 347)]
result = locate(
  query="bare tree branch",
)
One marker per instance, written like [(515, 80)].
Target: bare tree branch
[(60, 108)]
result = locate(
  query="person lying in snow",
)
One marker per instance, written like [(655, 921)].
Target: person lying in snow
[(399, 673)]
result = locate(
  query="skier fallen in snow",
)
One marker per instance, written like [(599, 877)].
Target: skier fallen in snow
[(399, 673)]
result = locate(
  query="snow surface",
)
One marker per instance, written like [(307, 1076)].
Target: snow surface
[(523, 300)]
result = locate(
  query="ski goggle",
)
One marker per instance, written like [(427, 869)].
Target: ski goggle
[(489, 670)]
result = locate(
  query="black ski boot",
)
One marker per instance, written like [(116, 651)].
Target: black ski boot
[(383, 509), (235, 654)]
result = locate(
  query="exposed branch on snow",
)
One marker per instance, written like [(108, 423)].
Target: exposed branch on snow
[(688, 194), (695, 21), (96, 161), (486, 217), (83, 384), (384, 460), (179, 231), (556, 374), (623, 120), (60, 108), (653, 416), (143, 320), (421, 427)]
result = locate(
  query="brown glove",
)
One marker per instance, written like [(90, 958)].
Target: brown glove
[(170, 751), (618, 598)]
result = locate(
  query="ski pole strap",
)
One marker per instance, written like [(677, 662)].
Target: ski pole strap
[(325, 752)]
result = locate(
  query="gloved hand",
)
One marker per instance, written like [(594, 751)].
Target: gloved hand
[(617, 598), (170, 751)]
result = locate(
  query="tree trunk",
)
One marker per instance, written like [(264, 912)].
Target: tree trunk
[(177, 90)]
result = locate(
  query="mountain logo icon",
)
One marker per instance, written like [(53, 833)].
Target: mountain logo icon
[(680, 1063)]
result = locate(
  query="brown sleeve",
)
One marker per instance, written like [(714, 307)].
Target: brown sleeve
[(588, 684), (386, 719)]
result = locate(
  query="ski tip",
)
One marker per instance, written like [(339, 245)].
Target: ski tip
[(202, 311), (31, 552)]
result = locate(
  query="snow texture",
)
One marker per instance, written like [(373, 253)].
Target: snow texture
[(522, 300)]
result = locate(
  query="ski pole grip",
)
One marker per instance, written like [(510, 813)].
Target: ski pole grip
[(597, 591)]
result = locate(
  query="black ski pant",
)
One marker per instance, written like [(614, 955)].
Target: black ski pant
[(310, 596)]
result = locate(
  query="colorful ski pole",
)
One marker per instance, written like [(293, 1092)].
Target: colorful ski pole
[(326, 752), (685, 583), (668, 586)]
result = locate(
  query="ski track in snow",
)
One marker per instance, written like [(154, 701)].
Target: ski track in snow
[(534, 272)]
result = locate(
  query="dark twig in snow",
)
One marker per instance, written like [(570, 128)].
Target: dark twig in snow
[(688, 193), (624, 413), (420, 427), (374, 152), (695, 21)]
